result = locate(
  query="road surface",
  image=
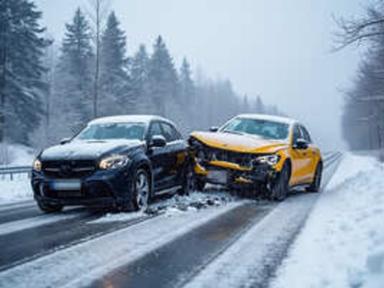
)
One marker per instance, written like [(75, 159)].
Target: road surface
[(222, 242)]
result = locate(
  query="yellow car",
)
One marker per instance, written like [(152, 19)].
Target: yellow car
[(260, 153)]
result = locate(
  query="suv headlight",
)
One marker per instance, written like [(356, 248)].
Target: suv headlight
[(113, 162), (268, 159), (37, 165)]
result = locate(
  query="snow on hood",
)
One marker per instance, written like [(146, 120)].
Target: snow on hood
[(87, 149), (240, 143)]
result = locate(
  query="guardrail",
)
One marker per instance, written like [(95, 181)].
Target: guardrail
[(11, 171)]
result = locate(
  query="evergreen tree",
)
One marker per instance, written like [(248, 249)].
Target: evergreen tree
[(246, 107), (259, 106), (73, 89), (187, 86), (115, 96), (139, 80), (21, 86), (162, 78)]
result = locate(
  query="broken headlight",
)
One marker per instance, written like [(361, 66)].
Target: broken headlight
[(268, 159)]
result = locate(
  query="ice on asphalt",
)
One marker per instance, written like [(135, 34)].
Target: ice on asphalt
[(342, 244)]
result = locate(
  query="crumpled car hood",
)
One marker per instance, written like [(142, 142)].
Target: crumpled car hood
[(240, 143)]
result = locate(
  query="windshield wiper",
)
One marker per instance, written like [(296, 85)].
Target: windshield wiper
[(233, 132)]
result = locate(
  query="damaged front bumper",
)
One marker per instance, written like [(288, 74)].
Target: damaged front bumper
[(233, 175)]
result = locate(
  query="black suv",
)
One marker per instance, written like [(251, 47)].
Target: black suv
[(120, 161)]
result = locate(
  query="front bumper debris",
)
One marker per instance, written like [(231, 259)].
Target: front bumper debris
[(229, 174)]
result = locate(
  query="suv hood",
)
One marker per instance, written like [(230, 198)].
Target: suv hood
[(88, 150), (240, 143)]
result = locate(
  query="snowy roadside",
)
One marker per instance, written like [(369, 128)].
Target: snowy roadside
[(16, 155), (342, 243), (18, 189)]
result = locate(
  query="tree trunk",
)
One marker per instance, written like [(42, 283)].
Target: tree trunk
[(3, 72)]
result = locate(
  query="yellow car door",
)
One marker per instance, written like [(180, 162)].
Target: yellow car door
[(299, 159), (311, 155)]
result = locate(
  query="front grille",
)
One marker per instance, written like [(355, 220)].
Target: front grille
[(242, 159), (75, 169)]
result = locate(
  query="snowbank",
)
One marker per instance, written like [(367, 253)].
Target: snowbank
[(342, 244), (17, 190), (16, 155)]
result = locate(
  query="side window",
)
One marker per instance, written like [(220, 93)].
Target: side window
[(296, 133), (306, 135), (169, 132), (154, 129)]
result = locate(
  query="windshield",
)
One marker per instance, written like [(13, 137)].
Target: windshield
[(262, 128), (105, 131)]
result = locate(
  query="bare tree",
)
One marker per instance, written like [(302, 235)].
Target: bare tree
[(98, 11), (363, 112), (359, 30)]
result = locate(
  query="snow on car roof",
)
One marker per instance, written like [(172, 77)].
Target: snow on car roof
[(128, 118), (273, 118)]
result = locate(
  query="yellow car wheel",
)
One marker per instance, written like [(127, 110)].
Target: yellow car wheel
[(280, 189), (316, 184)]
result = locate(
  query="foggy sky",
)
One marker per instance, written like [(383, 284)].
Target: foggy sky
[(277, 49)]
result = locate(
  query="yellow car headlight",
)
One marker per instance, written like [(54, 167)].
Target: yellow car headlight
[(113, 162), (268, 159), (37, 166)]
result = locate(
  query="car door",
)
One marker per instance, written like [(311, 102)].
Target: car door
[(299, 159), (158, 157), (176, 155), (311, 156)]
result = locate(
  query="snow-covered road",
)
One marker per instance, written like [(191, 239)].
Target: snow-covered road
[(199, 241)]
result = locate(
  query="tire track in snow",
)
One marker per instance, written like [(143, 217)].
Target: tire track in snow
[(83, 263), (30, 244)]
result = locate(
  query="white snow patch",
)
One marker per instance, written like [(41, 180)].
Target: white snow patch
[(18, 189), (119, 217), (16, 155), (342, 244)]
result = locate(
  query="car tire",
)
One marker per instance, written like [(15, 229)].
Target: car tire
[(49, 208), (280, 188), (141, 190), (316, 184)]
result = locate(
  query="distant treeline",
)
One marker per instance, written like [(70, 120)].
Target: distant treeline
[(48, 93), (363, 118)]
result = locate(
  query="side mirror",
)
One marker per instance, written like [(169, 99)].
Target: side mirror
[(158, 141), (214, 129), (300, 144), (65, 141)]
